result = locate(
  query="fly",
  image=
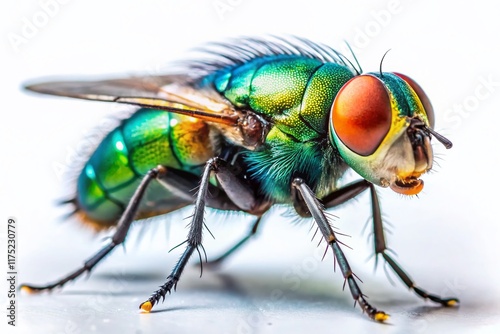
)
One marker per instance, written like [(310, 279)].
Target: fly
[(258, 122)]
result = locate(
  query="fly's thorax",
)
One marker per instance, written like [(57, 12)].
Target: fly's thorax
[(275, 165), (293, 92), (381, 125)]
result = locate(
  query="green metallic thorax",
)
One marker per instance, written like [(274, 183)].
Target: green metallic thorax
[(295, 93)]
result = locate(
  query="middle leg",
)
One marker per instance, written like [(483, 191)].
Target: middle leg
[(216, 262)]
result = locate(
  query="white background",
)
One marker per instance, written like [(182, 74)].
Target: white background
[(447, 238)]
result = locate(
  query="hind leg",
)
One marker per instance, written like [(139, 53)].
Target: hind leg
[(160, 173)]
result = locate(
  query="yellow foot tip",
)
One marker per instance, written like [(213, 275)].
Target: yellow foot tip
[(452, 302), (146, 306), (27, 289), (381, 316)]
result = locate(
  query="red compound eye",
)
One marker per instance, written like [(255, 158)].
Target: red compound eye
[(422, 96), (362, 114)]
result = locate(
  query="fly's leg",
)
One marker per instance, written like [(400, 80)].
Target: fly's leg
[(193, 242), (302, 192), (161, 174), (380, 248), (237, 196), (220, 259), (240, 194), (344, 194), (350, 191)]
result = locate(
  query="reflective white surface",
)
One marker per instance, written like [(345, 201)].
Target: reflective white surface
[(447, 239)]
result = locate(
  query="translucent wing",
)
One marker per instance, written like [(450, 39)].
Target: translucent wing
[(172, 93), (169, 92)]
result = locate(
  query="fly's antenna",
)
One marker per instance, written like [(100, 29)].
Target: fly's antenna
[(382, 60), (359, 70), (442, 139)]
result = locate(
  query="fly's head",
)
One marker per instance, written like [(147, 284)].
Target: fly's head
[(382, 124)]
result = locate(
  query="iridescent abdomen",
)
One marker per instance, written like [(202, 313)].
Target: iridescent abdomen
[(145, 140)]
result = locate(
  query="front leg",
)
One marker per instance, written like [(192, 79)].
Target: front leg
[(350, 191), (302, 192), (381, 248)]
